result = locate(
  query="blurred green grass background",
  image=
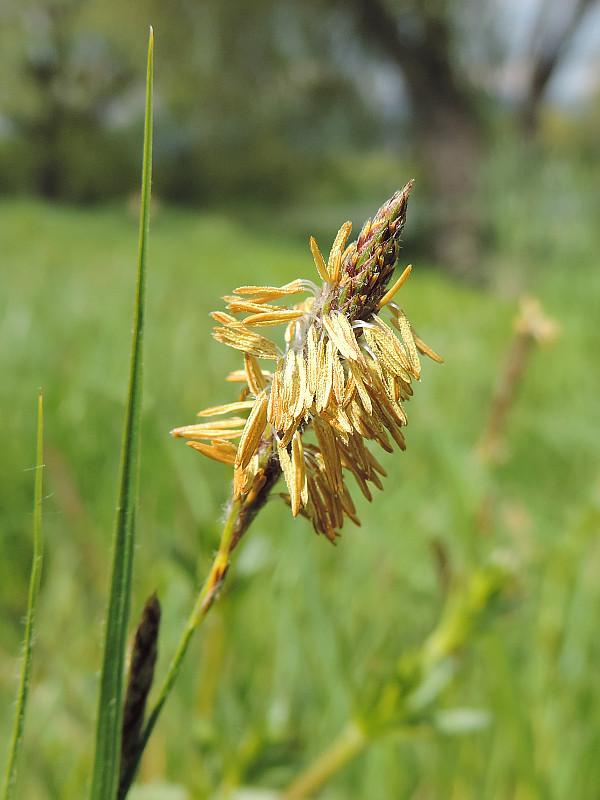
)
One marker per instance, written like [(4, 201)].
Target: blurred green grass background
[(303, 628)]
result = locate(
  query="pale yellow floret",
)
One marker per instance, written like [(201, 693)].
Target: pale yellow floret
[(335, 256), (253, 431), (279, 317), (263, 294), (425, 349), (391, 292), (217, 453), (257, 381), (408, 338), (227, 408), (341, 333), (241, 338), (319, 260)]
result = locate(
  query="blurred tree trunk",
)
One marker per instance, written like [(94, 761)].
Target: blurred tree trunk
[(66, 79), (44, 131), (548, 47), (46, 66), (449, 133)]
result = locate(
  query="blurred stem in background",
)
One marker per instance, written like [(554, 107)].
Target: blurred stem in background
[(532, 327), (406, 702)]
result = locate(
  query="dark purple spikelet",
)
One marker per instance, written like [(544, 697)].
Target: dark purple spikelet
[(368, 263)]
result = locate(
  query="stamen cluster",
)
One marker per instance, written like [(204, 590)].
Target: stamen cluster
[(339, 382)]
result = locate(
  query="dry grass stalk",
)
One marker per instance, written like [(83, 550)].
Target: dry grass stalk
[(532, 327)]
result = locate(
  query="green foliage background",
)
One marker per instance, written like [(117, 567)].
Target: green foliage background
[(303, 631), (249, 101)]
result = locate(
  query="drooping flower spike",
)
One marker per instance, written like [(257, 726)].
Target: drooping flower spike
[(340, 379)]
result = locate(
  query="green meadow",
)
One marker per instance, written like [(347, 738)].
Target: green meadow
[(304, 634)]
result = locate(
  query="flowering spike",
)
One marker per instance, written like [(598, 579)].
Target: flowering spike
[(343, 374)]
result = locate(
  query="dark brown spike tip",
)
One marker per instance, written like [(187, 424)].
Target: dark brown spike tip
[(141, 673)]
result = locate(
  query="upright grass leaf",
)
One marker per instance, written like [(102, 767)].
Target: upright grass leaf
[(105, 776), (34, 591)]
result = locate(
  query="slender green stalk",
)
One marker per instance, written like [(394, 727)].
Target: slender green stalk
[(34, 591), (105, 775), (351, 741), (205, 599)]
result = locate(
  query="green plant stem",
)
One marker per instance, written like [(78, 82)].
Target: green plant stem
[(208, 594), (34, 591), (351, 741)]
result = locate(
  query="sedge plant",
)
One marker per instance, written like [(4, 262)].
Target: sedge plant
[(340, 380), (335, 383)]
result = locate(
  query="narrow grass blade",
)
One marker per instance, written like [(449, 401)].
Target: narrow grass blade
[(105, 775), (34, 591)]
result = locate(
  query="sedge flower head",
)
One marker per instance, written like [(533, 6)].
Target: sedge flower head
[(339, 380)]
